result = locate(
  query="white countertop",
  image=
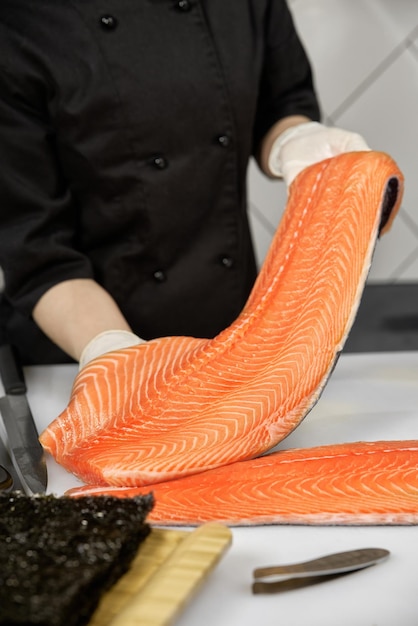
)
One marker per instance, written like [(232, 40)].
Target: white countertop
[(368, 397)]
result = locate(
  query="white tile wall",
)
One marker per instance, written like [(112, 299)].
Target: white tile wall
[(365, 59)]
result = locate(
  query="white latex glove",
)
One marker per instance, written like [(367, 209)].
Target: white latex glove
[(108, 341), (308, 143)]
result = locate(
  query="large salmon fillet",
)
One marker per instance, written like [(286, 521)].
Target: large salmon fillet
[(176, 406), (343, 484)]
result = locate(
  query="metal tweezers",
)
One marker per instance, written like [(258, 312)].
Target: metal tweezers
[(285, 577)]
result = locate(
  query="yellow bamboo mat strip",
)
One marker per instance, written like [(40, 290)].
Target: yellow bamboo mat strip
[(169, 567)]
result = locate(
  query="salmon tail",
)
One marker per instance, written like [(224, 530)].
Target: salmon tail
[(391, 203)]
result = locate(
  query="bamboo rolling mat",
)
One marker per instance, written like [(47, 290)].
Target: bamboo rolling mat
[(169, 568)]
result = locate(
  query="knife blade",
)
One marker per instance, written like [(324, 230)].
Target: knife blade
[(22, 436)]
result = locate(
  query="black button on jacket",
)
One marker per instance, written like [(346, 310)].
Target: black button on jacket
[(125, 133)]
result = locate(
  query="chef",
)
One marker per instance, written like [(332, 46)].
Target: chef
[(125, 134)]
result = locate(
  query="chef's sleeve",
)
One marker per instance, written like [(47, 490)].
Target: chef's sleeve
[(287, 86), (38, 216)]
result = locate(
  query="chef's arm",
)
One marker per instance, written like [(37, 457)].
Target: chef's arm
[(287, 133), (75, 312), (275, 131), (295, 142)]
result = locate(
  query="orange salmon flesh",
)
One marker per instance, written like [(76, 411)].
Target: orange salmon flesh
[(179, 406), (343, 484)]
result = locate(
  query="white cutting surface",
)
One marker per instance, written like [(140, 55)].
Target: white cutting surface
[(369, 397)]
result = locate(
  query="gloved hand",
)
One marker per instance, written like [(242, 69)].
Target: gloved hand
[(308, 143), (108, 341)]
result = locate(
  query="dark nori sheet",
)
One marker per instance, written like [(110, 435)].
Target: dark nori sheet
[(58, 555)]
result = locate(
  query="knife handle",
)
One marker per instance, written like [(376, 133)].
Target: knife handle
[(11, 371)]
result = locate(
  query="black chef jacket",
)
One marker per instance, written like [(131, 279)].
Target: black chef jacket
[(126, 127)]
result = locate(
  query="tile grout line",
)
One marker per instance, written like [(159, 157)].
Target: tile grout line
[(413, 255), (259, 215), (396, 275), (407, 43), (411, 223)]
